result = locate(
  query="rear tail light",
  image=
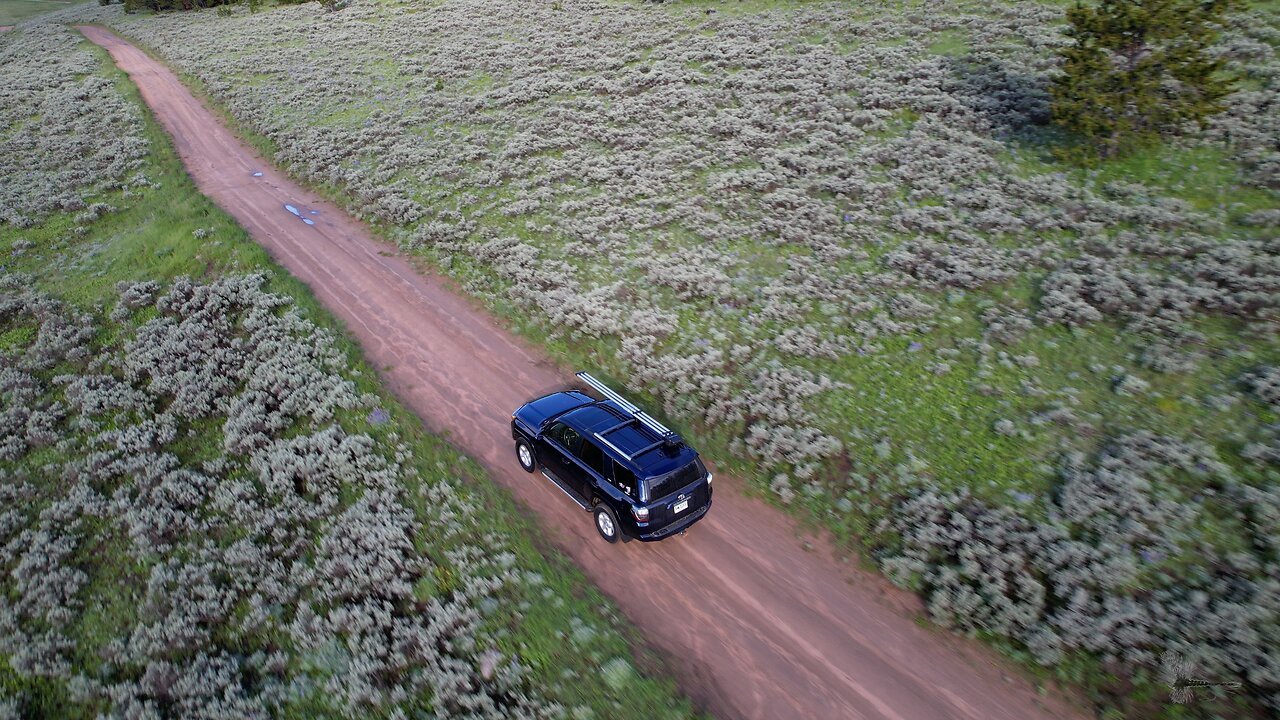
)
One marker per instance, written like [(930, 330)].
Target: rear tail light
[(641, 513)]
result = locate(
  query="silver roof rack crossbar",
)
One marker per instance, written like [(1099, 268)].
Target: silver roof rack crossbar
[(662, 430), (616, 449)]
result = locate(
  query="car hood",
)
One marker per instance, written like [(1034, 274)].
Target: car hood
[(535, 412)]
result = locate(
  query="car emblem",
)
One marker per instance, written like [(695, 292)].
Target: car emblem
[(681, 496)]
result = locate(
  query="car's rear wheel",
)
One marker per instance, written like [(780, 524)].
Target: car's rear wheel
[(524, 453), (607, 523)]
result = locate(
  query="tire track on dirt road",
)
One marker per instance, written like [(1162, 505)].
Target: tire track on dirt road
[(755, 624)]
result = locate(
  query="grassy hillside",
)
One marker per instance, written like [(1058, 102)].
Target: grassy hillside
[(831, 242), (210, 504), (15, 11)]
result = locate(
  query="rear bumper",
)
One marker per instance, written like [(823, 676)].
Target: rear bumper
[(675, 527)]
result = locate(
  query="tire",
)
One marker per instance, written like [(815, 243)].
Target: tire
[(607, 523), (525, 456)]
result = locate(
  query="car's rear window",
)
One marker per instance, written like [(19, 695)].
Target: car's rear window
[(665, 485)]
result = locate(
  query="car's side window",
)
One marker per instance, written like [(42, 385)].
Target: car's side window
[(594, 458), (625, 480), (566, 436)]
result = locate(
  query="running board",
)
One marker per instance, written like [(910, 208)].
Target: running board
[(573, 494)]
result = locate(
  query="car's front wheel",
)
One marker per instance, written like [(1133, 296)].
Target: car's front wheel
[(607, 523), (524, 453)]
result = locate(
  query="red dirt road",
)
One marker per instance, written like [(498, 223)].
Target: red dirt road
[(755, 624)]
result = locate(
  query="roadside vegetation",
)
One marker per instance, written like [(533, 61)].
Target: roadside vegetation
[(16, 11), (210, 506), (834, 244)]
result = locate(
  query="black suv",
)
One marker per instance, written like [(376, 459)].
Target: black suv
[(638, 478)]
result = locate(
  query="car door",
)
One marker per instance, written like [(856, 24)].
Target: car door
[(556, 453), (596, 464)]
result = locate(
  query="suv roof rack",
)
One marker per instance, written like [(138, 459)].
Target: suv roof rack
[(665, 435)]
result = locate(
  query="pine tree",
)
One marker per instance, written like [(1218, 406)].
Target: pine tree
[(1136, 69)]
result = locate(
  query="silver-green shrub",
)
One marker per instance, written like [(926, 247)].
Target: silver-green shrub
[(258, 554), (68, 134), (1094, 571)]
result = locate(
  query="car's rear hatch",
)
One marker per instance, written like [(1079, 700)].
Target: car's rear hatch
[(677, 495)]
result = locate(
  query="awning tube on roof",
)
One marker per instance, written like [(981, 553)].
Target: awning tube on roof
[(626, 405)]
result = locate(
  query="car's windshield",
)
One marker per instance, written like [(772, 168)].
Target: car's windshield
[(664, 485)]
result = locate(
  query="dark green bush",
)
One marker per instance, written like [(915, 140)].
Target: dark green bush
[(131, 6), (1136, 69)]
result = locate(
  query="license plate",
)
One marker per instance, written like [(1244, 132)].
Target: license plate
[(680, 506)]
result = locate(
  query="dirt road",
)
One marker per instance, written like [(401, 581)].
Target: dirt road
[(755, 624)]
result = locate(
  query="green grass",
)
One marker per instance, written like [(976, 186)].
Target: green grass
[(152, 238), (953, 43), (15, 11), (1202, 176), (17, 337)]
